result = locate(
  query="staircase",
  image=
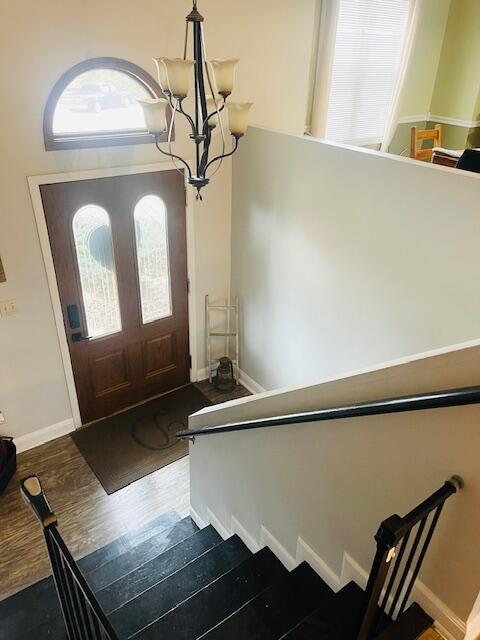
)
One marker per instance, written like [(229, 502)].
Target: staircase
[(170, 580)]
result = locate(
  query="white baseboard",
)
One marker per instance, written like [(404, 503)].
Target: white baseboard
[(421, 117), (210, 519), (198, 520), (36, 438), (245, 535), (456, 122), (431, 117), (218, 525), (305, 552), (448, 623), (249, 383), (267, 540), (351, 570), (202, 374)]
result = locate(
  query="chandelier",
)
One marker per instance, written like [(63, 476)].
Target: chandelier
[(213, 84)]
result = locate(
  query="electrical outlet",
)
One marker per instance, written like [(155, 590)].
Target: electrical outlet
[(2, 418), (8, 308)]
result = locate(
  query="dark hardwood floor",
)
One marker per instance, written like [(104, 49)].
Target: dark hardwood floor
[(88, 518)]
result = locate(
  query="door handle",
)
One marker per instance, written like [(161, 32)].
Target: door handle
[(79, 337)]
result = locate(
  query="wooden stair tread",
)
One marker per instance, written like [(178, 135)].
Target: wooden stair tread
[(276, 610), (204, 610), (149, 606)]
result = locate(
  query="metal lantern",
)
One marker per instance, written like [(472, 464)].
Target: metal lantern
[(224, 378)]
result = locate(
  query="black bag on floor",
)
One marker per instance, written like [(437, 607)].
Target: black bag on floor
[(8, 461)]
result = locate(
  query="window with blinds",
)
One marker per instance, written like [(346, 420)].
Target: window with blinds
[(369, 41)]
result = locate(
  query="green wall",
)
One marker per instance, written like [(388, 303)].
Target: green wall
[(420, 81), (444, 79), (456, 89)]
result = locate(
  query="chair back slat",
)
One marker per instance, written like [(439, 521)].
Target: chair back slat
[(417, 136)]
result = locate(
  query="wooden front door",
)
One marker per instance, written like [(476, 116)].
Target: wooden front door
[(120, 256)]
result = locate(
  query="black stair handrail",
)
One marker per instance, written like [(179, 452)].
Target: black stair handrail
[(417, 402), (394, 556), (83, 616)]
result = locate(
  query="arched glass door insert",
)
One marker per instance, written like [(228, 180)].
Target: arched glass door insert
[(92, 236), (151, 236)]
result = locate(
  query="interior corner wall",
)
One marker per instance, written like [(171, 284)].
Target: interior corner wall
[(344, 258)]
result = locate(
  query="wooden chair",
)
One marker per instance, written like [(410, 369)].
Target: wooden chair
[(418, 136)]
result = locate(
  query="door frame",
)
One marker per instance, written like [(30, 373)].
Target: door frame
[(34, 184)]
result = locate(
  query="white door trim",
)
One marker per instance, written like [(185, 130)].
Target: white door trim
[(34, 183)]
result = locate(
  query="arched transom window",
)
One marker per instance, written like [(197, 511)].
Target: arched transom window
[(95, 104)]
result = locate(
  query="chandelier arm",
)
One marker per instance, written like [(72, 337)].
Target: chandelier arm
[(187, 116), (170, 131), (172, 155), (214, 113), (176, 105), (225, 155), (217, 168)]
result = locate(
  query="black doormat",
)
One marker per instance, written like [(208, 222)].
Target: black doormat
[(132, 444)]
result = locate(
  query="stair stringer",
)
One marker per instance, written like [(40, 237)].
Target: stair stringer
[(447, 622)]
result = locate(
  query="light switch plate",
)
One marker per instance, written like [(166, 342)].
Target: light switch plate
[(2, 418), (8, 308)]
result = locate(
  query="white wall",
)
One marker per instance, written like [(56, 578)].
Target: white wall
[(332, 483), (39, 41), (345, 258)]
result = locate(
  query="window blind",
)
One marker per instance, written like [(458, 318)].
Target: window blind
[(369, 42)]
